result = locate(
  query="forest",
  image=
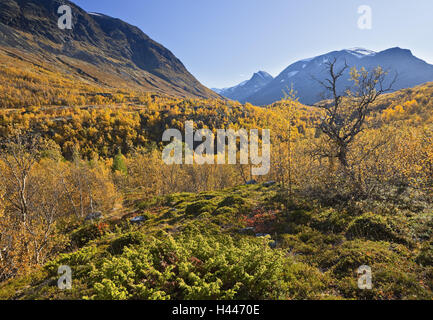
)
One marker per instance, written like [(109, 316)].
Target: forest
[(330, 203)]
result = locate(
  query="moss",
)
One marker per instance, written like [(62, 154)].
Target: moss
[(295, 245), (225, 211), (170, 213), (349, 256), (324, 248), (199, 207), (374, 227), (131, 238), (85, 234), (16, 287), (425, 257), (299, 216), (331, 221), (146, 204), (228, 217), (232, 201), (310, 242), (209, 195), (389, 282), (175, 199)]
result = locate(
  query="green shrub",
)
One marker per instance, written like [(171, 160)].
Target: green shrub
[(80, 262), (348, 257), (131, 238), (299, 216), (175, 199), (205, 267), (225, 211), (425, 257), (146, 204), (86, 233), (374, 227), (199, 207), (232, 201), (331, 221), (119, 163), (208, 195), (389, 282)]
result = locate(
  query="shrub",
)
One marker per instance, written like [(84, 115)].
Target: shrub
[(299, 216), (225, 211), (348, 257), (146, 204), (263, 221), (374, 227), (425, 257), (331, 221), (80, 261), (131, 238), (232, 201), (119, 163), (199, 207), (198, 266), (88, 232), (177, 198)]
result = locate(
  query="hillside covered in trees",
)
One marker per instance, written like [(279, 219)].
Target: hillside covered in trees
[(83, 184), (98, 51), (71, 150)]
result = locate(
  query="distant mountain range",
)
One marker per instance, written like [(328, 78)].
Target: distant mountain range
[(112, 53), (242, 91), (410, 70), (98, 49)]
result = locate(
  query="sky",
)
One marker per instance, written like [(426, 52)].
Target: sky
[(223, 42)]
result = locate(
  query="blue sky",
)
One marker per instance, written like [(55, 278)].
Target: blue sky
[(222, 42)]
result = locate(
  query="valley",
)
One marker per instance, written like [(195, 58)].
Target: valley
[(89, 115)]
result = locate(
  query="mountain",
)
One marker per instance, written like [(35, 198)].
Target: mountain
[(411, 71), (99, 49), (247, 88)]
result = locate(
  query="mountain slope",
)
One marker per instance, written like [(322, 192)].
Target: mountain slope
[(411, 71), (98, 49), (245, 89)]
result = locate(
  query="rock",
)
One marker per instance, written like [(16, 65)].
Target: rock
[(273, 244), (262, 234), (251, 182), (138, 219), (269, 183), (93, 216)]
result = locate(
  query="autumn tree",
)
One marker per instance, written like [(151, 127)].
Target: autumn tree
[(345, 111), (30, 204), (19, 155)]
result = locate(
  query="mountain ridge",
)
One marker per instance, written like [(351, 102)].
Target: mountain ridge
[(243, 90), (411, 71), (109, 50)]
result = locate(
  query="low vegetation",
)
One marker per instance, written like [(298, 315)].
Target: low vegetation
[(72, 178)]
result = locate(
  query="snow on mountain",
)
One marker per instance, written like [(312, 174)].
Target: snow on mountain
[(247, 87), (360, 52), (95, 14), (411, 71)]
